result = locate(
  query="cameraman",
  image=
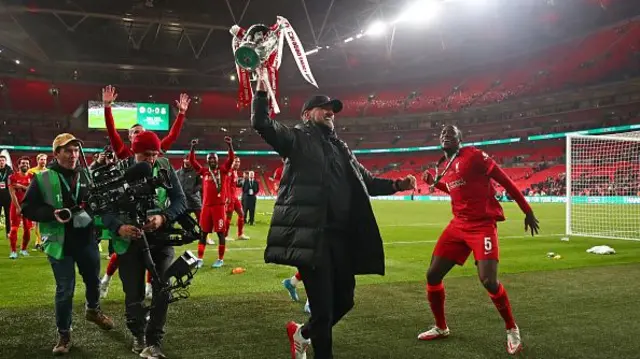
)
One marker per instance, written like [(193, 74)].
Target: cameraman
[(105, 158), (172, 203), (68, 240)]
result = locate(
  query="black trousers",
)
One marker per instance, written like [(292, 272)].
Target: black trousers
[(249, 207), (132, 275), (330, 289), (5, 204)]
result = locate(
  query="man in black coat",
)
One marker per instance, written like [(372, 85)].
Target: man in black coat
[(250, 189), (322, 221), (191, 183)]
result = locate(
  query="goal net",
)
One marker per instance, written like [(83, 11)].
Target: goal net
[(603, 187)]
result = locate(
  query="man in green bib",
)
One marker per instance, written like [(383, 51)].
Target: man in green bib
[(67, 239), (147, 336)]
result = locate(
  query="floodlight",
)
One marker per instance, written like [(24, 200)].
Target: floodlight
[(420, 11), (376, 28)]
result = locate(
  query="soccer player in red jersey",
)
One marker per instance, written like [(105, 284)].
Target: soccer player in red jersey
[(123, 152), (467, 179), (233, 203), (18, 184), (214, 193)]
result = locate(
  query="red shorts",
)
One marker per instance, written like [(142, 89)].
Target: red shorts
[(212, 218), (17, 218), (461, 238), (234, 205)]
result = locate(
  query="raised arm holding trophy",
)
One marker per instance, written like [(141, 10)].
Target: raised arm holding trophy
[(258, 54)]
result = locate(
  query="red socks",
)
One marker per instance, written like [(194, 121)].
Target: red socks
[(221, 249), (240, 226), (112, 266), (13, 239), (501, 301), (148, 277), (201, 247), (436, 296), (298, 276)]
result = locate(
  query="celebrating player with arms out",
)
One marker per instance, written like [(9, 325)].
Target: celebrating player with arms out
[(233, 203), (123, 152), (212, 216), (18, 184), (467, 179)]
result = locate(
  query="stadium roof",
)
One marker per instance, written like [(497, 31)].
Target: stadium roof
[(186, 43)]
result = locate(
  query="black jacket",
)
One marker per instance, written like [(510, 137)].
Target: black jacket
[(300, 212), (5, 196), (191, 183), (35, 209), (246, 187)]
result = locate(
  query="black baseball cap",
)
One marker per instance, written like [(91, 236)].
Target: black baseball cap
[(321, 101)]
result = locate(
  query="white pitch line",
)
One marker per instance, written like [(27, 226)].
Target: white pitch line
[(250, 249), (408, 242)]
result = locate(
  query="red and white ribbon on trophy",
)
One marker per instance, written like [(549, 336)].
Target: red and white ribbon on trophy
[(268, 70)]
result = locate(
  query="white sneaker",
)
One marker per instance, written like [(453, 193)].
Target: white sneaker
[(514, 343), (24, 253), (434, 333), (148, 291), (298, 343), (211, 241), (199, 263), (243, 237), (104, 286), (307, 307)]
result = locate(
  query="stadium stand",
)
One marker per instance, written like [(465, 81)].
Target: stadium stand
[(605, 55)]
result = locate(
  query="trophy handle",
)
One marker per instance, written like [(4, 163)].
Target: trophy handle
[(262, 74)]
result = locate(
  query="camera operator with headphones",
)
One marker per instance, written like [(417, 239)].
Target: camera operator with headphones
[(129, 246), (54, 199)]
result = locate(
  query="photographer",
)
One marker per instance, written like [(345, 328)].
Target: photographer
[(68, 240), (130, 249)]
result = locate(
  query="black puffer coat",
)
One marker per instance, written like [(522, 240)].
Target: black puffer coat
[(191, 183), (300, 211)]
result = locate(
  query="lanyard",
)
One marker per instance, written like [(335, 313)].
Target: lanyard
[(66, 185), (216, 179), (446, 168)]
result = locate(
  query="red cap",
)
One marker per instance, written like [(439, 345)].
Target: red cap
[(146, 141)]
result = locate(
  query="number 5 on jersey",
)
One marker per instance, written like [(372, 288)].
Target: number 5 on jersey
[(488, 246)]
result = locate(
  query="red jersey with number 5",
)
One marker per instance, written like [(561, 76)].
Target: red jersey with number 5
[(19, 178), (469, 185)]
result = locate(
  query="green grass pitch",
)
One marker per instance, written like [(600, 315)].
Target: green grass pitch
[(124, 118), (581, 306)]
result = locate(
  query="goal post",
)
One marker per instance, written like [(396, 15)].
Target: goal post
[(603, 185)]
